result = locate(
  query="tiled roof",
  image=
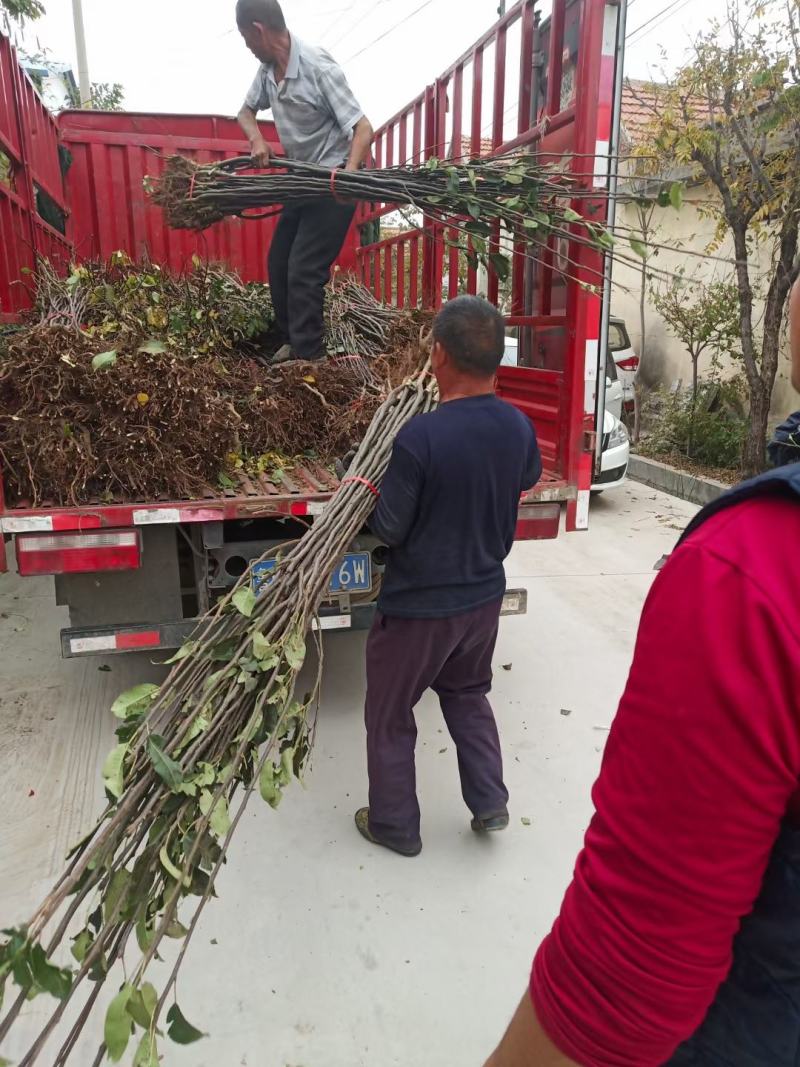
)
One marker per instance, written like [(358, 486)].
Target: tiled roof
[(486, 148), (638, 101)]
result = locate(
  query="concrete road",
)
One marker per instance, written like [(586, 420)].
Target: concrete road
[(323, 951)]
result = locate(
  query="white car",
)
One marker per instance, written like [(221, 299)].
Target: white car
[(615, 456), (625, 358)]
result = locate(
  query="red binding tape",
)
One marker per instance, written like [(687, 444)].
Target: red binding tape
[(363, 481)]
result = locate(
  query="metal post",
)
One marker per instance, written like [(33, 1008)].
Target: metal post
[(614, 151), (84, 85), (501, 8)]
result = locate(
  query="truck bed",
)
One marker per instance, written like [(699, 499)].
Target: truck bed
[(301, 492)]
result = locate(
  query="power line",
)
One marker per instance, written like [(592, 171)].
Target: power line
[(659, 15), (391, 29)]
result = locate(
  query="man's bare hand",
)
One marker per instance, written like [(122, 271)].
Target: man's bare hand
[(259, 152)]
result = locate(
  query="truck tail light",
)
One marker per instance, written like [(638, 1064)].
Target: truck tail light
[(115, 550), (631, 363)]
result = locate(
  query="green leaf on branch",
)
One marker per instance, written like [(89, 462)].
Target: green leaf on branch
[(147, 1052), (176, 930), (570, 215), (200, 724), (180, 1031), (639, 247), (56, 981), (244, 600), (104, 360), (676, 195), (295, 650), (114, 772), (172, 869), (145, 933), (605, 240), (220, 822), (185, 650), (114, 902), (118, 1025), (165, 767), (81, 945), (268, 787), (134, 700), (500, 265), (142, 1005), (261, 646)]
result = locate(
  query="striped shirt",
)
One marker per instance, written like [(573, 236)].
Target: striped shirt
[(313, 107)]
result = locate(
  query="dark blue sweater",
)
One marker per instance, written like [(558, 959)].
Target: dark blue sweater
[(448, 506)]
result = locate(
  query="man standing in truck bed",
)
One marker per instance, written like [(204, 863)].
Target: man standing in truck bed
[(318, 121)]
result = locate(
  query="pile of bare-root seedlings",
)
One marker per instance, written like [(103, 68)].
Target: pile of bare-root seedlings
[(131, 383), (226, 722)]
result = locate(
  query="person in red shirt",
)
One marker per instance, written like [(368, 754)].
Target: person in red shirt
[(678, 941)]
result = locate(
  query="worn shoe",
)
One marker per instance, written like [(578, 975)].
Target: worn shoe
[(489, 824), (362, 825), (283, 355)]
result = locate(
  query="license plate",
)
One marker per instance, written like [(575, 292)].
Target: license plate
[(352, 574)]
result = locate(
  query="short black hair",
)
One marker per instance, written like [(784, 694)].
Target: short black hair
[(473, 333), (268, 12)]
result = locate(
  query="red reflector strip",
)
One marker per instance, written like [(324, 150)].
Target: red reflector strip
[(76, 522), (76, 553), (300, 508), (138, 639), (631, 363)]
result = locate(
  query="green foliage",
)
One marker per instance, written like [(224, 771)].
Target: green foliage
[(138, 307), (21, 10), (106, 96), (709, 429), (702, 317)]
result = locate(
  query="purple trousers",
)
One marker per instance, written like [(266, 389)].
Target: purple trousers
[(452, 656)]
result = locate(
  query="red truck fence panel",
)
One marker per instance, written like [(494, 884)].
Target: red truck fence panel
[(113, 152), (546, 88), (33, 209)]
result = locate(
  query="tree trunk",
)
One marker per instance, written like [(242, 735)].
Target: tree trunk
[(754, 453), (695, 386)]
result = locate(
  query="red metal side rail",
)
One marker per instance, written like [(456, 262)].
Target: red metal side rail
[(29, 160), (562, 95), (114, 152)]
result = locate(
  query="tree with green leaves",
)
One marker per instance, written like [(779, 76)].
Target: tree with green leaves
[(106, 96), (732, 116), (704, 318)]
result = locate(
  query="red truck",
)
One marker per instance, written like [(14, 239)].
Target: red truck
[(135, 574)]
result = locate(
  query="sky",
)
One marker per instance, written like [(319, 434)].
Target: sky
[(186, 55)]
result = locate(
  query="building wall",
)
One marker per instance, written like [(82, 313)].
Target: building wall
[(686, 231)]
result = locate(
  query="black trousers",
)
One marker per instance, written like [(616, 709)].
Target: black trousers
[(453, 657), (308, 238)]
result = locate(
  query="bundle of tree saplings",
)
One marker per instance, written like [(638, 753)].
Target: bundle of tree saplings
[(130, 383), (527, 198), (225, 723)]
